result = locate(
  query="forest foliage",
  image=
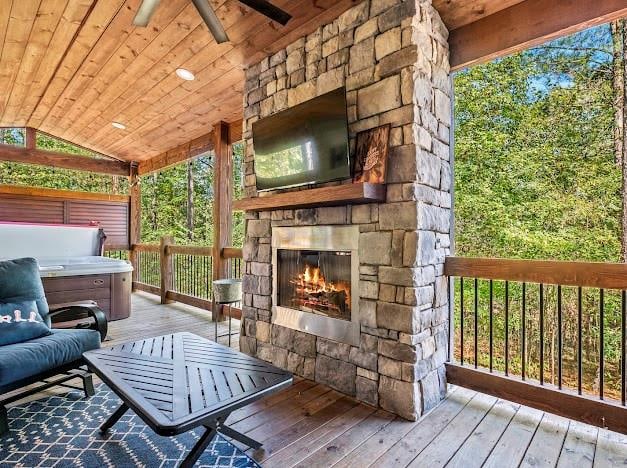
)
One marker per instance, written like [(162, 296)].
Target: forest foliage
[(535, 173)]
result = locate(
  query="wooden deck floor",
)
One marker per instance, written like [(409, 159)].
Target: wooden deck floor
[(311, 425)]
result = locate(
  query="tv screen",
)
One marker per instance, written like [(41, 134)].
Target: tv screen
[(302, 145)]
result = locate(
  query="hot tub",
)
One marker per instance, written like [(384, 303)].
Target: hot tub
[(69, 268)]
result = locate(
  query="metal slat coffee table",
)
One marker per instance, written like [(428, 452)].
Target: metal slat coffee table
[(178, 382)]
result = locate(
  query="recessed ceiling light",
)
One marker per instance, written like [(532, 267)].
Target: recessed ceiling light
[(119, 125), (185, 74)]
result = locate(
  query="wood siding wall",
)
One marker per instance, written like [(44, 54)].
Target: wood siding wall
[(51, 207)]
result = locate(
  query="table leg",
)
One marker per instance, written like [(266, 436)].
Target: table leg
[(199, 448), (115, 417), (244, 439)]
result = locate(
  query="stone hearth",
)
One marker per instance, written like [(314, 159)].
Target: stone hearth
[(392, 57)]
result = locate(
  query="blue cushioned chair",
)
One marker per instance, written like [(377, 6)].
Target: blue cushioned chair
[(52, 358)]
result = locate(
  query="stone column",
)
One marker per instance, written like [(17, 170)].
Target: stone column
[(392, 58)]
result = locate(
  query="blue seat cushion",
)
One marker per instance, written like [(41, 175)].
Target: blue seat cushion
[(27, 359)]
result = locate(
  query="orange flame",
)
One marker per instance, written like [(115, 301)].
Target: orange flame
[(312, 281)]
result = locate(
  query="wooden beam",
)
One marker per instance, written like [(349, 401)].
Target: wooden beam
[(236, 130), (190, 150), (178, 155), (526, 25), (222, 203), (19, 190), (62, 160), (547, 398), (584, 274)]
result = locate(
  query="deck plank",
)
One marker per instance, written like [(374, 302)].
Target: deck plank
[(546, 445), (305, 446), (428, 428), (579, 446), (337, 448), (446, 444), (477, 448), (611, 450), (515, 440)]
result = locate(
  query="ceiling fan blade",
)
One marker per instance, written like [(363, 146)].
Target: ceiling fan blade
[(145, 12), (212, 21), (268, 9)]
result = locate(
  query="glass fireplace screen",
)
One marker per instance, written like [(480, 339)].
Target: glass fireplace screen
[(314, 281)]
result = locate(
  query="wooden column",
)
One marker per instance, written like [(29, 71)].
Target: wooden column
[(222, 204), (135, 215), (30, 138), (166, 268)]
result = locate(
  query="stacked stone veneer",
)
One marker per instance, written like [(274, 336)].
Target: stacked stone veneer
[(392, 57)]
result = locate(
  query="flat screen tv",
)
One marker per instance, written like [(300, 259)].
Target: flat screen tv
[(305, 144)]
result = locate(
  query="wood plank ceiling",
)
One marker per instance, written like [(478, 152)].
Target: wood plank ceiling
[(72, 67)]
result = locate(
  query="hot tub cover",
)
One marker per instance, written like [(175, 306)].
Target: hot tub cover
[(50, 267)]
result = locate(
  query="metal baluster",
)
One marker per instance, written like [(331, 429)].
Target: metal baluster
[(461, 320), (541, 334), (476, 322), (601, 341), (491, 325), (579, 338), (523, 321), (229, 327), (559, 337), (506, 327)]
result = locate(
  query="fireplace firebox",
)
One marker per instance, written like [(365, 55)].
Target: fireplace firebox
[(316, 279)]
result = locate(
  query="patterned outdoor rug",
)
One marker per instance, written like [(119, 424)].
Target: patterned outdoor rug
[(63, 432)]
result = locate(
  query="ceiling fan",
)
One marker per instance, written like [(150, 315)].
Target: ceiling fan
[(148, 7)]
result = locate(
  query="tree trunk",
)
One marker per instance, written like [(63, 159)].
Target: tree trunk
[(619, 45), (190, 200), (115, 184), (153, 207)]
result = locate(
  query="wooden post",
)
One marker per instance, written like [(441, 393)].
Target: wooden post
[(30, 138), (135, 216), (166, 268), (222, 205)]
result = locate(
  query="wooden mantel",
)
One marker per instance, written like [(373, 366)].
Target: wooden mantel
[(346, 194)]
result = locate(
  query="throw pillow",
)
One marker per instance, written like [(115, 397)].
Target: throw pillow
[(20, 281), (20, 321)]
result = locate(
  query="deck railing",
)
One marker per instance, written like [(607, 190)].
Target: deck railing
[(188, 272), (547, 334)]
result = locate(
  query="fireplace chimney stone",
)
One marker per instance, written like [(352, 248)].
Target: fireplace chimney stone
[(392, 57)]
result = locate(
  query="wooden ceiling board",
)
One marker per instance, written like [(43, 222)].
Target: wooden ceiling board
[(21, 19), (42, 31), (128, 53), (93, 64), (153, 85), (69, 24), (171, 92), (71, 67), (91, 31), (107, 90), (264, 36), (458, 13)]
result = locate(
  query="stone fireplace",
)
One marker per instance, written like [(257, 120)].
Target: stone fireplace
[(392, 58), (316, 281)]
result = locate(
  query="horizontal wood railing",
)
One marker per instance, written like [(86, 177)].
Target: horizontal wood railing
[(188, 269), (547, 334)]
